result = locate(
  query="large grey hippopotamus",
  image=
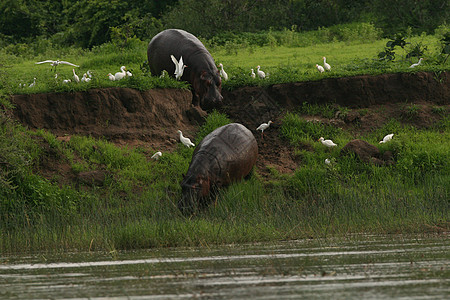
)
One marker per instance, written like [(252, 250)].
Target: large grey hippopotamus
[(201, 71), (226, 155)]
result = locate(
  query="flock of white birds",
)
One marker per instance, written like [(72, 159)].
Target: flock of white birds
[(179, 69), (85, 78)]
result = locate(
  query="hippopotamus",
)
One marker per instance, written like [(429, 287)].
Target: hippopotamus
[(201, 71), (226, 155)]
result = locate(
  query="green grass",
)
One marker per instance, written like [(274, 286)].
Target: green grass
[(136, 206), (290, 57)]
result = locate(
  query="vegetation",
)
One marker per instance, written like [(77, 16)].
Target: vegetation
[(286, 56), (89, 23), (136, 205), (345, 196)]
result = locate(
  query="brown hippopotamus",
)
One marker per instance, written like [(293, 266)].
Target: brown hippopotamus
[(226, 155), (201, 71)]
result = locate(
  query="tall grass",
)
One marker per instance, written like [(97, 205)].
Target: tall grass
[(136, 205)]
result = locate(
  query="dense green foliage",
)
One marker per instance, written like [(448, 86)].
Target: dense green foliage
[(87, 23)]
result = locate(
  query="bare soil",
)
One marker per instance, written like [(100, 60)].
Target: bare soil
[(151, 119)]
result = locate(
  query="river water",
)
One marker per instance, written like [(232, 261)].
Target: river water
[(357, 267)]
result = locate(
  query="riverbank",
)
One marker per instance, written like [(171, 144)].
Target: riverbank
[(91, 183)]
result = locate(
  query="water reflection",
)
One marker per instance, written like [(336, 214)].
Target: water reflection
[(370, 267)]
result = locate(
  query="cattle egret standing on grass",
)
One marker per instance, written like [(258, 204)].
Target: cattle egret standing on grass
[(253, 75), (327, 161), (387, 138), (89, 73), (223, 74), (261, 74), (326, 66), (320, 68), (179, 66), (416, 64), (121, 74), (129, 74), (186, 141), (67, 80), (33, 83), (156, 155), (55, 63), (111, 77), (328, 143), (75, 76)]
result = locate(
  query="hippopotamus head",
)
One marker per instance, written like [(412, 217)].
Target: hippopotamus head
[(195, 189), (208, 89)]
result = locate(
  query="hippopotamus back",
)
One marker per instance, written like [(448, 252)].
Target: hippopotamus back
[(226, 155), (201, 71)]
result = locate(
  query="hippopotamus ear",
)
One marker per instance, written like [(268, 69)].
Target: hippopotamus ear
[(203, 75)]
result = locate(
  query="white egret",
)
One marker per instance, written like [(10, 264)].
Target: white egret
[(253, 75), (75, 76), (328, 143), (387, 138), (327, 161), (85, 78), (223, 74), (260, 73), (263, 127), (33, 83), (186, 141), (416, 64), (89, 73), (320, 68), (122, 74), (55, 63), (179, 66), (67, 80), (129, 74), (111, 77), (157, 155), (326, 66)]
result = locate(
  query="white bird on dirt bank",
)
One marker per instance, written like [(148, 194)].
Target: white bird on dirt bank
[(179, 66), (223, 74), (387, 138), (260, 73), (75, 76), (186, 141), (111, 77), (326, 66), (55, 63), (416, 64), (253, 75), (121, 74), (320, 68), (157, 155), (328, 143), (263, 127)]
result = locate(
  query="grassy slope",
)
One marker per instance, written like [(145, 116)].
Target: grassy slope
[(317, 200)]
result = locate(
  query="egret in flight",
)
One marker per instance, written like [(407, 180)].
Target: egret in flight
[(55, 63)]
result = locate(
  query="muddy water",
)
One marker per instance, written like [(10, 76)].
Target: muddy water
[(369, 267)]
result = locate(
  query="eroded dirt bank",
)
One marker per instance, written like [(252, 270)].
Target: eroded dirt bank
[(152, 118)]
